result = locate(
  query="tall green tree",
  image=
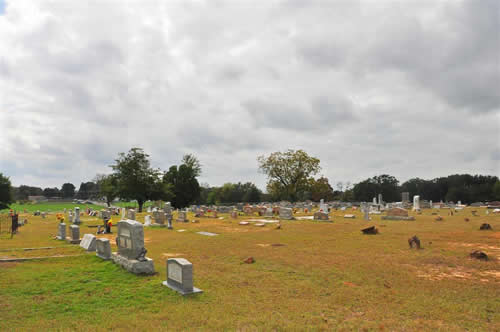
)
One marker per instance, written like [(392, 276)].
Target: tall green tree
[(182, 181), (321, 188), (136, 179), (5, 192), (386, 185), (108, 187), (68, 190), (289, 173)]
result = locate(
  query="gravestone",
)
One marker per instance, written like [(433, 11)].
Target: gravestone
[(180, 276), (374, 200), (380, 201), (147, 220), (181, 216), (349, 216), (131, 253), (74, 234), (416, 203), (397, 214), (286, 213), (268, 212), (405, 197), (323, 207), (123, 213), (430, 204), (234, 214), (76, 219), (321, 216), (70, 217), (131, 214), (169, 221), (88, 242), (159, 217), (62, 232), (103, 248), (366, 211), (44, 214)]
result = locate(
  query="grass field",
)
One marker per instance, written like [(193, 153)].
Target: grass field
[(54, 207), (307, 276)]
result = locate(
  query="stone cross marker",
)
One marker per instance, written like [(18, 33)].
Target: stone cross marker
[(180, 276), (131, 252), (103, 249), (62, 232)]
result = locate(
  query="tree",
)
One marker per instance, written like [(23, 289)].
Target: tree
[(135, 179), (108, 187), (68, 190), (320, 188), (386, 185), (5, 192), (496, 191), (182, 181), (289, 173), (87, 190), (24, 191), (52, 192)]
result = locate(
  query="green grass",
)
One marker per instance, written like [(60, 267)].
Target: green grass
[(326, 276), (48, 206)]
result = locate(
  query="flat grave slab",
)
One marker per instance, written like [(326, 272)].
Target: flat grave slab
[(207, 233)]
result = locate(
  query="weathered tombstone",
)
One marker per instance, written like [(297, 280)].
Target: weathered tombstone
[(485, 227), (414, 241), (62, 231), (123, 213), (374, 201), (70, 216), (234, 214), (131, 253), (286, 213), (74, 234), (380, 201), (103, 248), (430, 204), (131, 214), (269, 212), (180, 276), (397, 214), (321, 216), (76, 219), (169, 221), (147, 220), (88, 242), (44, 214), (159, 217), (181, 216), (349, 216), (416, 203)]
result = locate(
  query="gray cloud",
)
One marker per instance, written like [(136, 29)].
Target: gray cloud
[(409, 89)]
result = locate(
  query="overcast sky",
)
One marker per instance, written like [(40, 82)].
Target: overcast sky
[(409, 88)]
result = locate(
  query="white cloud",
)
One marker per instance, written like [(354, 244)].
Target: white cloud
[(409, 89)]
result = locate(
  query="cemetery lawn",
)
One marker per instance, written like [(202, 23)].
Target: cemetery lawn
[(307, 276), (49, 206)]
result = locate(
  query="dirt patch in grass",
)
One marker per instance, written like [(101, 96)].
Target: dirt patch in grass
[(171, 254), (7, 265), (436, 273), (491, 250)]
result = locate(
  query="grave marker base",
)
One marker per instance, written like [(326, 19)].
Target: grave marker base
[(133, 265), (180, 290)]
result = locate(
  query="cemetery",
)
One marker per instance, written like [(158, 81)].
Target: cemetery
[(291, 272)]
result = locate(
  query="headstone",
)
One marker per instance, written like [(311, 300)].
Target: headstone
[(169, 221), (180, 276), (131, 253), (43, 215), (123, 213), (416, 203), (74, 234), (286, 213), (159, 217), (269, 212), (147, 220), (62, 232), (88, 242), (374, 200), (131, 214), (76, 219), (321, 216), (430, 204), (103, 248), (366, 212), (181, 216), (380, 201), (349, 216), (70, 217), (234, 214), (323, 207), (405, 197), (397, 214)]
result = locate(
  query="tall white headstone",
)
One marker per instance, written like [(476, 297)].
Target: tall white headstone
[(374, 200), (416, 202), (380, 202)]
